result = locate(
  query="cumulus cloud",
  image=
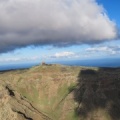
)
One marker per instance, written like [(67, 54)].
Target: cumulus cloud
[(53, 22), (63, 55), (113, 50)]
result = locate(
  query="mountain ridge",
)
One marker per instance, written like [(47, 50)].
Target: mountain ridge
[(58, 92)]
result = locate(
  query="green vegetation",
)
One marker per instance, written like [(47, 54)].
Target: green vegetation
[(68, 93), (72, 87)]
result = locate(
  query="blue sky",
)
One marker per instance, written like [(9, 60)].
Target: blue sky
[(112, 7), (63, 44)]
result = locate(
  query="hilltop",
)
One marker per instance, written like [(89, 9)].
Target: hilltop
[(57, 92)]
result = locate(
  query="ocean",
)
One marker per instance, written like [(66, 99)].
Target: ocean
[(16, 66), (94, 63), (106, 62)]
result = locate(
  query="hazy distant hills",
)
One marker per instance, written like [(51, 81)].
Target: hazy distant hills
[(57, 92)]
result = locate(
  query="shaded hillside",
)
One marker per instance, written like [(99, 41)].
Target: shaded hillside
[(98, 94), (56, 92)]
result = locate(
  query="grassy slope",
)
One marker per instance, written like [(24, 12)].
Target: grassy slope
[(52, 90), (46, 87)]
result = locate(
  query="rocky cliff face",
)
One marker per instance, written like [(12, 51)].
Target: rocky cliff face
[(13, 106), (56, 92)]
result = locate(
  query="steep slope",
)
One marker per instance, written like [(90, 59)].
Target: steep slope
[(56, 92)]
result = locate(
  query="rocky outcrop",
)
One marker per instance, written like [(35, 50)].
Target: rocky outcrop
[(6, 113), (13, 106)]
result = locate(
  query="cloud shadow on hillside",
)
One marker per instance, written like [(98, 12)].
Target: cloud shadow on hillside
[(98, 89)]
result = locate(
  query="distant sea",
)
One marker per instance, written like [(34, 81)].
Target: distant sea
[(106, 62), (5, 67)]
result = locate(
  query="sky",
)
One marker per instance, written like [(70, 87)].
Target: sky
[(57, 30)]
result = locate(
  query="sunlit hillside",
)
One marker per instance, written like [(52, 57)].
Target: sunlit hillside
[(57, 92)]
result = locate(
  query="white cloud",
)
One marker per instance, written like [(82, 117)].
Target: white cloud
[(105, 49), (55, 22), (63, 55)]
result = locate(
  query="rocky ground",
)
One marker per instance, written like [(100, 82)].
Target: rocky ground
[(57, 92)]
